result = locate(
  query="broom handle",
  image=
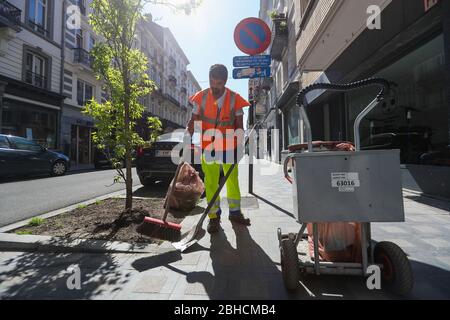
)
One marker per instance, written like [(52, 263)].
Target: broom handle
[(177, 173)]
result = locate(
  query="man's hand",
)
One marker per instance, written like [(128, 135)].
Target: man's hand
[(190, 127)]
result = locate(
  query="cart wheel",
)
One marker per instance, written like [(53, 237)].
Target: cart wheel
[(289, 264), (396, 275)]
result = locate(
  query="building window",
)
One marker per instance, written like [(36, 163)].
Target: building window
[(79, 40), (91, 42), (38, 16), (85, 92), (82, 5), (36, 69)]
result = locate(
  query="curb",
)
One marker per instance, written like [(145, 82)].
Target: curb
[(13, 242), (54, 213)]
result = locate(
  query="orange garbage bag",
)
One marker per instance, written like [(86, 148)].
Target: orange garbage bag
[(189, 187), (338, 242)]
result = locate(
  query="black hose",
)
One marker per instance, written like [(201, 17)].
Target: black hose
[(384, 84)]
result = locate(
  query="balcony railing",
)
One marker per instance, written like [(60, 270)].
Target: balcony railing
[(9, 14), (38, 28), (35, 79), (280, 36), (82, 56)]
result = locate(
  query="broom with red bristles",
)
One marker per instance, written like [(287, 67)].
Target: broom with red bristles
[(161, 229)]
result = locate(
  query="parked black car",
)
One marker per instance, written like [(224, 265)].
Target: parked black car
[(19, 156), (155, 163), (436, 158), (411, 145), (101, 160)]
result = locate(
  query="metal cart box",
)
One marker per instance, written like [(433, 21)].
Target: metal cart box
[(363, 186)]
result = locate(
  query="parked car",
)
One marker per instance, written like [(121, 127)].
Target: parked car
[(437, 158), (411, 145), (155, 163), (19, 156), (101, 161)]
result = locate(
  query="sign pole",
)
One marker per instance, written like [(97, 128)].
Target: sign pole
[(251, 118)]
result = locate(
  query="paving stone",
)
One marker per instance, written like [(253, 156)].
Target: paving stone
[(253, 289), (391, 229), (438, 243), (427, 230), (142, 296), (150, 283), (445, 261)]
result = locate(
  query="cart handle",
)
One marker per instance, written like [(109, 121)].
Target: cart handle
[(383, 83), (303, 103)]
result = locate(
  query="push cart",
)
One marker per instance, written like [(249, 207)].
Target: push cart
[(357, 186)]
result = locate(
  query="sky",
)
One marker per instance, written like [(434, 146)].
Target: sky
[(206, 36)]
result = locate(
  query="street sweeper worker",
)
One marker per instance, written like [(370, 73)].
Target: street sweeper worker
[(219, 112)]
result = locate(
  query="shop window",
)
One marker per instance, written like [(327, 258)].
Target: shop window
[(414, 118), (32, 122), (292, 126)]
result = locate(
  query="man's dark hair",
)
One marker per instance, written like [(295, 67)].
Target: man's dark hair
[(218, 71)]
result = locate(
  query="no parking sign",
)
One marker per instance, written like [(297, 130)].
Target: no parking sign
[(252, 36)]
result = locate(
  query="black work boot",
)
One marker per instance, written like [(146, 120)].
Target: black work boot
[(214, 225), (239, 218)]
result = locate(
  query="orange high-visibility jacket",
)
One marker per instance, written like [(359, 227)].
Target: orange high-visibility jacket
[(212, 120)]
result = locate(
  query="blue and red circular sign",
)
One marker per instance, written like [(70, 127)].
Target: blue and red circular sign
[(252, 36)]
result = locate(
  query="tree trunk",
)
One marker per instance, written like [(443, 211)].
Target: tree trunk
[(129, 183), (129, 144), (128, 160)]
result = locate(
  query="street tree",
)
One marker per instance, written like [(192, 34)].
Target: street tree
[(124, 71)]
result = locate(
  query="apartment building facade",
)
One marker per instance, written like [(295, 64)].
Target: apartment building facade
[(46, 76), (275, 96), (30, 69), (406, 42), (168, 68), (79, 85)]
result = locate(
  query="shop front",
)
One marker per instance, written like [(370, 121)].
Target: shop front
[(30, 121), (76, 136), (29, 112), (415, 117)]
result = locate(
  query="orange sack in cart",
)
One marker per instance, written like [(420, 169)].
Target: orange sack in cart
[(338, 242)]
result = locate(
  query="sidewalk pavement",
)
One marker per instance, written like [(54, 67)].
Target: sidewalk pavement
[(238, 263)]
